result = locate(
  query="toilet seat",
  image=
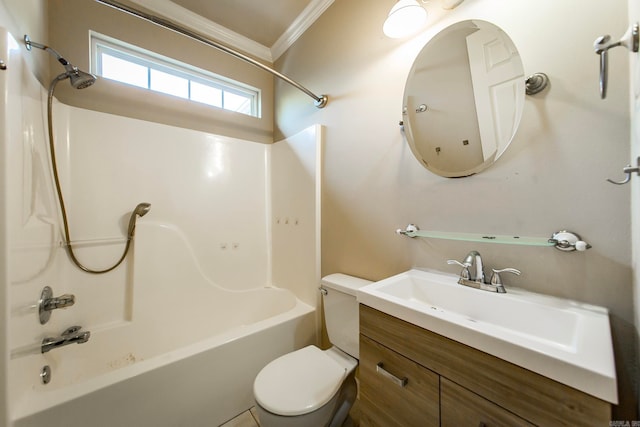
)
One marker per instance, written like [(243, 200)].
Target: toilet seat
[(299, 382)]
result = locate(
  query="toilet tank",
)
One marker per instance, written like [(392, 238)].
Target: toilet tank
[(341, 311)]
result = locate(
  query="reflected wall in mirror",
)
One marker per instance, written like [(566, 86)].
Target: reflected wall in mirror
[(464, 98)]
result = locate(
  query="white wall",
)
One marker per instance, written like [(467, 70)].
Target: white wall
[(10, 135), (211, 187), (295, 213)]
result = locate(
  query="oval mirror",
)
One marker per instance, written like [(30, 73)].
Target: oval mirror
[(464, 98)]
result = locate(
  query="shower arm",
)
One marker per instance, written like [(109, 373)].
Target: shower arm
[(320, 101)]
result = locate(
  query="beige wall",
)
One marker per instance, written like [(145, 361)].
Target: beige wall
[(552, 177), (70, 22)]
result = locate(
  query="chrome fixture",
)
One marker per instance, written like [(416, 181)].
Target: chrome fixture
[(320, 101), (628, 170), (536, 83), (401, 382), (3, 66), (410, 231), (472, 268), (48, 303), (497, 281), (72, 335), (141, 210), (472, 274), (79, 80), (630, 40), (568, 241), (45, 374)]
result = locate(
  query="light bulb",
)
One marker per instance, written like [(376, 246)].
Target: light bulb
[(405, 18)]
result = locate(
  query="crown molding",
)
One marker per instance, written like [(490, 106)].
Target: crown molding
[(309, 15), (205, 27)]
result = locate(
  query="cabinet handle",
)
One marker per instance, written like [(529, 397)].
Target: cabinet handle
[(482, 424), (399, 381)]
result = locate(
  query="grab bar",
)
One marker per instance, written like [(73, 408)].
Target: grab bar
[(88, 242)]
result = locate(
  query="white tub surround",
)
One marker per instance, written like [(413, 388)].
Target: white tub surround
[(181, 328)]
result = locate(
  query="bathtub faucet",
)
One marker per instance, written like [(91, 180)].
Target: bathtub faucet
[(69, 336)]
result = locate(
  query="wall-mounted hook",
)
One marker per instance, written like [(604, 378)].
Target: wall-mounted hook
[(630, 39), (628, 170)]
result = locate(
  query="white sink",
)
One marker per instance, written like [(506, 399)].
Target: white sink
[(561, 339)]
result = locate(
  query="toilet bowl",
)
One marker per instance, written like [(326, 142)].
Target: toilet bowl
[(310, 386)]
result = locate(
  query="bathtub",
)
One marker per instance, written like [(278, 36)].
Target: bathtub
[(186, 354)]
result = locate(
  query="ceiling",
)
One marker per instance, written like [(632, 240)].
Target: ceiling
[(262, 28), (260, 21)]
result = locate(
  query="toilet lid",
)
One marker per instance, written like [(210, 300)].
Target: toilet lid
[(299, 382)]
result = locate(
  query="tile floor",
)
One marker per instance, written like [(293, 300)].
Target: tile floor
[(250, 418), (246, 419)]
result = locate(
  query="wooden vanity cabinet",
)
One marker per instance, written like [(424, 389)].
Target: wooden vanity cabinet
[(451, 384), (461, 407), (389, 403)]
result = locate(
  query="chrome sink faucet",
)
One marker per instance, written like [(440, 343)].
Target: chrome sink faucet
[(472, 274), (476, 270), (472, 268)]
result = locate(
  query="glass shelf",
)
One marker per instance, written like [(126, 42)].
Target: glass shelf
[(564, 240), (483, 238)]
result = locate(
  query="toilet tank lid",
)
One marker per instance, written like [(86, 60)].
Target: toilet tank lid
[(344, 283)]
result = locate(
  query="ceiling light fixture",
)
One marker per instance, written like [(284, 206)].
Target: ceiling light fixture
[(405, 18), (408, 17)]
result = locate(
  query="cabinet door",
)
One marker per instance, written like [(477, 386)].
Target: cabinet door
[(395, 391), (461, 407)]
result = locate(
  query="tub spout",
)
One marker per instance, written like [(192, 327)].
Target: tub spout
[(69, 336)]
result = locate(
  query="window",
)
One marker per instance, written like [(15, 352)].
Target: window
[(125, 63)]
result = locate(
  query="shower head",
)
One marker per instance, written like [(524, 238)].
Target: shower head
[(142, 209), (78, 78)]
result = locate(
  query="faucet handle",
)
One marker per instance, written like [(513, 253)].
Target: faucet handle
[(495, 278), (48, 303), (464, 274)]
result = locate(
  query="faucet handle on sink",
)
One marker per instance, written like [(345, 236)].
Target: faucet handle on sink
[(464, 274), (495, 278)]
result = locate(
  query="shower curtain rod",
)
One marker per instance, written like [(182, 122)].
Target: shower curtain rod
[(320, 101)]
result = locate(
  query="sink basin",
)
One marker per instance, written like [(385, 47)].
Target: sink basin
[(564, 340)]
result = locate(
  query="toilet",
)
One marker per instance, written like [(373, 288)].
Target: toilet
[(313, 387)]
